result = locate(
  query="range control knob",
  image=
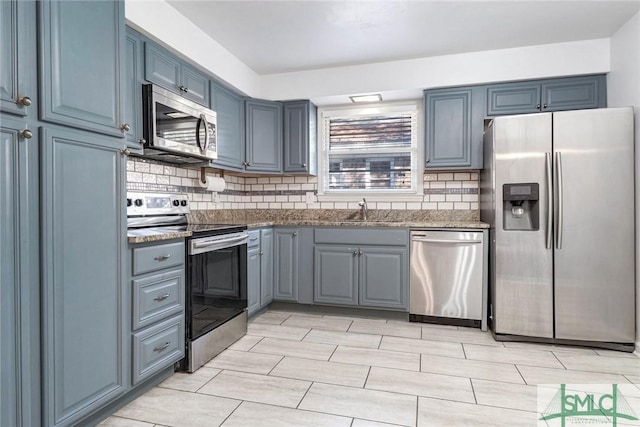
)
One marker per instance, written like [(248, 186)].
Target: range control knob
[(138, 202), (129, 202), (183, 203), (176, 203)]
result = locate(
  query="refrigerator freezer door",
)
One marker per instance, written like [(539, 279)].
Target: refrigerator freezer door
[(523, 288), (594, 259)]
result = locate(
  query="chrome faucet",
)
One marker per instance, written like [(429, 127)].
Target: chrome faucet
[(363, 208)]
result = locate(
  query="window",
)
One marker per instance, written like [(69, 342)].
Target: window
[(369, 151)]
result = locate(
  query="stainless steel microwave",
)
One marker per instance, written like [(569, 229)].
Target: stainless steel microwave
[(177, 130)]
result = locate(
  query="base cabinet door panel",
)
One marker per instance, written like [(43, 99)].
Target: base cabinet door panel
[(253, 280), (336, 275), (383, 277), (266, 266), (82, 296), (285, 278)]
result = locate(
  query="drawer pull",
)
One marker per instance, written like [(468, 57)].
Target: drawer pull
[(162, 347), (161, 297), (162, 257), (253, 239)]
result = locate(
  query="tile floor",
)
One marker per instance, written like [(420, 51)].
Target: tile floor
[(299, 370)]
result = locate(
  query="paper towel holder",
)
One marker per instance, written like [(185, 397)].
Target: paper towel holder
[(203, 175)]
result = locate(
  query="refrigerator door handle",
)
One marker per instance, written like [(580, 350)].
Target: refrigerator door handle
[(559, 219), (549, 167)]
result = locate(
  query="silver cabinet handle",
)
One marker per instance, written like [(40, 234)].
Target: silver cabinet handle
[(549, 167), (559, 222), (359, 252), (295, 233), (162, 297), (125, 127), (125, 152), (142, 141), (248, 163), (253, 239), (162, 347), (355, 253), (537, 106), (182, 89), (162, 257), (260, 253), (545, 106), (26, 134), (25, 101), (304, 165)]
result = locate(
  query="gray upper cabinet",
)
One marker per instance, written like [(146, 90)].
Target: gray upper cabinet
[(18, 58), (132, 81), (300, 140), (83, 237), (80, 67), (453, 122), (571, 93), (285, 280), (263, 136), (166, 70), (229, 108), (335, 275), (19, 276)]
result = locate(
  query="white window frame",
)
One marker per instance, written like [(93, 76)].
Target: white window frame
[(417, 152)]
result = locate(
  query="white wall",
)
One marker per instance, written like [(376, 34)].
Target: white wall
[(409, 77), (160, 21), (623, 90)]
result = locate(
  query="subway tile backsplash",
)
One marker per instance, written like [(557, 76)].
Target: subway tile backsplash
[(442, 190)]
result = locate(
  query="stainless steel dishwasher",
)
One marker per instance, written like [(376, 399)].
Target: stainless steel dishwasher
[(447, 278)]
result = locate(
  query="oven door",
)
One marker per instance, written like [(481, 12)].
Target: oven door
[(177, 125), (216, 288)]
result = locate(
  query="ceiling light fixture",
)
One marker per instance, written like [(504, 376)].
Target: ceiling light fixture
[(376, 97)]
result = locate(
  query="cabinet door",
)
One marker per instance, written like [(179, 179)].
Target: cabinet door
[(195, 85), (383, 277), (513, 98), (161, 68), (81, 43), (132, 80), (574, 93), (83, 236), (300, 137), (17, 57), (266, 266), (253, 279), (264, 136), (286, 264), (448, 128), (335, 275), (229, 108)]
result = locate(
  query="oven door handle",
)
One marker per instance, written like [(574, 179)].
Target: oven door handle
[(207, 246)]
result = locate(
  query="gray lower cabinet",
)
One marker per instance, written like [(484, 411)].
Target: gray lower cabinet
[(336, 275), (365, 267), (453, 128), (259, 269), (285, 277), (19, 276), (80, 66), (263, 136), (157, 307), (82, 242), (18, 58)]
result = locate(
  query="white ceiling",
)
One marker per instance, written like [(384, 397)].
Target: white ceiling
[(273, 36)]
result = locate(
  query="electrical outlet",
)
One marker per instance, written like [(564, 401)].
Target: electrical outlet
[(311, 198)]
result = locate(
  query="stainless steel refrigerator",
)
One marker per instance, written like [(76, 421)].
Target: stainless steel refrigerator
[(558, 191)]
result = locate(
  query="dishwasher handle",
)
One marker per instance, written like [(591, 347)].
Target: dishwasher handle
[(426, 240)]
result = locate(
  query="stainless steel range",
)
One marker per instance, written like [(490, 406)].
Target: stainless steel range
[(216, 273)]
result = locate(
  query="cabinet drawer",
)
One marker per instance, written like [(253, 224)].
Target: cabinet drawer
[(151, 258), (362, 236), (157, 297), (157, 347), (254, 238)]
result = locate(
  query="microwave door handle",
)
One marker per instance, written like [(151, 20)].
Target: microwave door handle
[(206, 134), (198, 133)]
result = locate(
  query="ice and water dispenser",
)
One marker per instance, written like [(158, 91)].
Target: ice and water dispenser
[(520, 206)]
